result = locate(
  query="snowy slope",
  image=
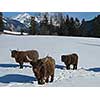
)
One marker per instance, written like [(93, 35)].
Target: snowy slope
[(88, 73), (15, 25), (24, 18)]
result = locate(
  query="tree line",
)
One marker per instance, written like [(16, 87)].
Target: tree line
[(61, 26), (1, 22), (64, 26)]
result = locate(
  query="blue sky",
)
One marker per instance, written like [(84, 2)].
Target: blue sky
[(80, 15)]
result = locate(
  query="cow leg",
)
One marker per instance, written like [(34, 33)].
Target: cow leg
[(68, 67), (21, 65), (39, 82), (47, 80), (52, 78), (75, 67)]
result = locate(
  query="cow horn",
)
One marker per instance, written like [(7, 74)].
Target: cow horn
[(28, 58), (46, 59)]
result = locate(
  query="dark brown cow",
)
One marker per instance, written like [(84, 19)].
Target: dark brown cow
[(24, 56), (44, 69), (71, 59)]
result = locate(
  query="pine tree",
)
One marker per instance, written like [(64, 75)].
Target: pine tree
[(44, 26), (1, 22), (67, 25), (83, 29), (71, 27), (21, 30), (51, 27), (63, 28), (77, 26), (96, 26), (77, 23), (83, 21), (33, 26), (45, 19), (67, 18)]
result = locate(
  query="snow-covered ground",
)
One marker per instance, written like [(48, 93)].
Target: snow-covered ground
[(88, 73)]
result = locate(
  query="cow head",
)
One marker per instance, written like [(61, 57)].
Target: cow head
[(63, 58), (39, 71), (13, 53)]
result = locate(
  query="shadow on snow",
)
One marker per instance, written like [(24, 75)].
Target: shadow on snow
[(12, 65), (16, 78), (60, 67), (94, 69), (17, 65)]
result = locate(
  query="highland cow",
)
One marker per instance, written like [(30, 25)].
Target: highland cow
[(44, 69), (71, 59), (24, 56)]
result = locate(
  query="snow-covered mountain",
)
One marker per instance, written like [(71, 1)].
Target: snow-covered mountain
[(21, 17), (24, 18), (14, 25), (21, 21)]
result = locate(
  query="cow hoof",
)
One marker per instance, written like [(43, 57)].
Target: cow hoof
[(68, 68), (51, 81), (74, 68), (40, 83), (21, 67)]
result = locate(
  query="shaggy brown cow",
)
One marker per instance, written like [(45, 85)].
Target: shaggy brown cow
[(44, 69), (71, 59), (24, 56)]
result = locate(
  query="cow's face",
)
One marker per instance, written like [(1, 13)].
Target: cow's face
[(13, 53), (38, 69), (63, 58)]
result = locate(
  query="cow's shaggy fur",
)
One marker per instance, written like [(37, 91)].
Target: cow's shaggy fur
[(25, 56), (44, 69), (71, 59)]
